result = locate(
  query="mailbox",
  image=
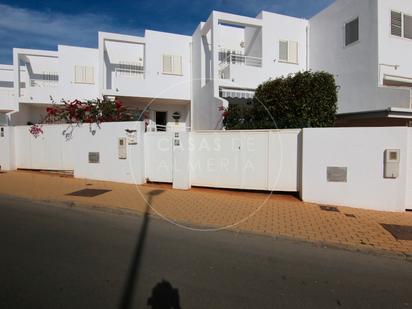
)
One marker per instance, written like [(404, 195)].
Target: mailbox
[(391, 163)]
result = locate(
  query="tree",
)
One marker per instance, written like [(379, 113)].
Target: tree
[(305, 99)]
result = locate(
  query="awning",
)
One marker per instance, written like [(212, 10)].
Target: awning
[(397, 81), (120, 52), (41, 64), (237, 93)]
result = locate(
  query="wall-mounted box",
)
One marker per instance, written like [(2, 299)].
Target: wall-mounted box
[(94, 157), (131, 137), (122, 148), (391, 163), (337, 174)]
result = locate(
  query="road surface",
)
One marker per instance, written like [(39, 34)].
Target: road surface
[(53, 256)]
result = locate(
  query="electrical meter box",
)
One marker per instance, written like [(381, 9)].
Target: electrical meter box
[(391, 163), (122, 148)]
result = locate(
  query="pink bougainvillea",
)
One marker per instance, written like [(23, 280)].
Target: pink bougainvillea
[(78, 112), (36, 130)]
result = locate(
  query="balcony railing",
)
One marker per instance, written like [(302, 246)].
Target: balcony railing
[(241, 60), (43, 83), (129, 69), (45, 80), (237, 60)]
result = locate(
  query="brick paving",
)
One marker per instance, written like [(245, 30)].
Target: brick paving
[(208, 209)]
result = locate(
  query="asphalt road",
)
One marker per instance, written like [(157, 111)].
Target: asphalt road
[(53, 256)]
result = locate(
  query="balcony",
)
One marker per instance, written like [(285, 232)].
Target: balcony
[(40, 88), (129, 70), (46, 81), (241, 70)]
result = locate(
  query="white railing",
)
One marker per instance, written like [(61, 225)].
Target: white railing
[(7, 91), (238, 60), (129, 69), (44, 83), (242, 60)]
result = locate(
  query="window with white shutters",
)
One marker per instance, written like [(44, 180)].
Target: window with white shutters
[(172, 64), (396, 23), (352, 32), (83, 74), (401, 25), (288, 51)]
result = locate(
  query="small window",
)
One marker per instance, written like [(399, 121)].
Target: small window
[(172, 64), (352, 32), (407, 25), (288, 51), (83, 74), (396, 23)]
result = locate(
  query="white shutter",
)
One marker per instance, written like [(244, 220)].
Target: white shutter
[(78, 74), (89, 75), (167, 64), (396, 23), (283, 51), (293, 52), (83, 74), (177, 65), (407, 26)]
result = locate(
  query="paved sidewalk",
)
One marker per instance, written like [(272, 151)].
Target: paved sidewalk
[(277, 215)]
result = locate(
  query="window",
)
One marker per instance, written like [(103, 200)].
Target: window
[(172, 64), (352, 32), (83, 74), (401, 25), (396, 23), (288, 51)]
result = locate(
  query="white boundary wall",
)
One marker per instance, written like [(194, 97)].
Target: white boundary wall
[(285, 160), (361, 151), (7, 155), (105, 142)]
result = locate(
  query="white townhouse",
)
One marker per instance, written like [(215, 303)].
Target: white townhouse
[(41, 77), (177, 82), (151, 74), (8, 103), (367, 45), (233, 54)]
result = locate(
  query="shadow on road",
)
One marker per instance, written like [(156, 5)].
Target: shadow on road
[(133, 274), (164, 296)]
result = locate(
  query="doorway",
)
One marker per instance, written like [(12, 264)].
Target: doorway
[(161, 121)]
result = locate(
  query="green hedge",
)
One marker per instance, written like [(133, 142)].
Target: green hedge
[(305, 99)]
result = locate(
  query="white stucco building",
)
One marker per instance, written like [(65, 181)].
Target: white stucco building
[(181, 82), (367, 46)]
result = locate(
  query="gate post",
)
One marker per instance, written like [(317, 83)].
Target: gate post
[(181, 161)]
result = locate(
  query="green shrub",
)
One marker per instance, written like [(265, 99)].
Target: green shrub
[(305, 99)]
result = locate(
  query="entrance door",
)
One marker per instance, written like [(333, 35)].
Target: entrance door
[(158, 147), (161, 121)]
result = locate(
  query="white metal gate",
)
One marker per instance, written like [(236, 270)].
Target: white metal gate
[(159, 156), (49, 151)]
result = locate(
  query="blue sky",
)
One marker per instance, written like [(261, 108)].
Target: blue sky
[(42, 24)]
